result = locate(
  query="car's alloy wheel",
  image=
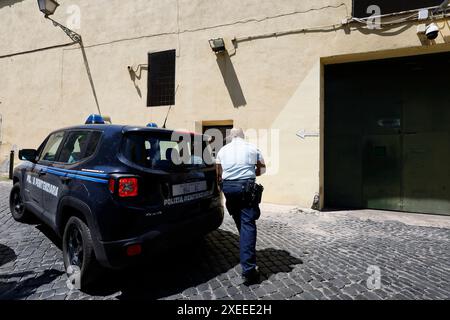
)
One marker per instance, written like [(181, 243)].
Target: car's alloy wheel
[(16, 205), (75, 246), (78, 253)]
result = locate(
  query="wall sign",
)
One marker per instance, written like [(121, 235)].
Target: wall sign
[(304, 134)]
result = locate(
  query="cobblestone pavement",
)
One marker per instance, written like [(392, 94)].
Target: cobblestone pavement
[(301, 256)]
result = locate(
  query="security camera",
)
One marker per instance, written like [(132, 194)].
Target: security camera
[(432, 31)]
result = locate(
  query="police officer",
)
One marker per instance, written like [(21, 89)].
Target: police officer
[(238, 164)]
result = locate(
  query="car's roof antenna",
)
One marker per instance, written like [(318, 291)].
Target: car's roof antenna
[(168, 111)]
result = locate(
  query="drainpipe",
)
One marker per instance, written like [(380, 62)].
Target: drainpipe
[(11, 164)]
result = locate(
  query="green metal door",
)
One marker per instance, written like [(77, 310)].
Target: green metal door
[(387, 137), (426, 139), (381, 139), (382, 172)]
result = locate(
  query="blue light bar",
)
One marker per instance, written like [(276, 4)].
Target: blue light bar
[(95, 119), (152, 125)]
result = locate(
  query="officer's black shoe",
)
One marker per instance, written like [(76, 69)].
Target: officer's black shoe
[(251, 278)]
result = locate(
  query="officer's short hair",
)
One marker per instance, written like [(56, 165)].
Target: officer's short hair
[(237, 133)]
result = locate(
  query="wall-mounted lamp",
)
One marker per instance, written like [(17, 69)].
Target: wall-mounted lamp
[(48, 7), (217, 45)]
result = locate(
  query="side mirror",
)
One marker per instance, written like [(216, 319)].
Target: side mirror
[(28, 155)]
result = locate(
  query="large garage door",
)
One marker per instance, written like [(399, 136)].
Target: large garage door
[(387, 142)]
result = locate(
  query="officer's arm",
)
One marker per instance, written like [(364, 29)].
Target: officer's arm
[(219, 172), (260, 165), (260, 168)]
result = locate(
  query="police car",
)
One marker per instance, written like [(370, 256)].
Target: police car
[(114, 192)]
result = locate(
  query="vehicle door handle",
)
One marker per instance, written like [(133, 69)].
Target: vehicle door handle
[(42, 173), (65, 179)]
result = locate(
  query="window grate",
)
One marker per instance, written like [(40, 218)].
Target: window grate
[(161, 78)]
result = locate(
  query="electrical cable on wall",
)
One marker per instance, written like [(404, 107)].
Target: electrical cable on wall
[(244, 21), (414, 16), (326, 28)]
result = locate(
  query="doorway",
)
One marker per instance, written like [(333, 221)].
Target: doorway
[(218, 130), (387, 137)]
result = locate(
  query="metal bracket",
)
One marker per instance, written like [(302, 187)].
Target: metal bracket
[(72, 34)]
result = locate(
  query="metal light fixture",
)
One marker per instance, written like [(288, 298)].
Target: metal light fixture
[(217, 45), (48, 7)]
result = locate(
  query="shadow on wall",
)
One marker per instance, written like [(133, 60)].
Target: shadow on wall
[(137, 74), (9, 3), (4, 165), (386, 31), (231, 80), (447, 34)]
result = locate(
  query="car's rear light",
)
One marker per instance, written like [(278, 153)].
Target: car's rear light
[(128, 187), (111, 185), (134, 250)]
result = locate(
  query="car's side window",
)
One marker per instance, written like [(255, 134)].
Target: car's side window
[(51, 147), (75, 147), (93, 142), (79, 145)]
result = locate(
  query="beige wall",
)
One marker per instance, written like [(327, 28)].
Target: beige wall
[(279, 77)]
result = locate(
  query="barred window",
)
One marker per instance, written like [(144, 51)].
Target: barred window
[(161, 78)]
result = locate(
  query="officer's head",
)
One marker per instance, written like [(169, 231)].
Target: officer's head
[(82, 141), (236, 133)]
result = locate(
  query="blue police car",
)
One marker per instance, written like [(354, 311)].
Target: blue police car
[(114, 192)]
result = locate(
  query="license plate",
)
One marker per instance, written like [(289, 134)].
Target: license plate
[(186, 188)]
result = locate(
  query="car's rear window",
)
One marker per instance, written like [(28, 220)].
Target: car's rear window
[(166, 151)]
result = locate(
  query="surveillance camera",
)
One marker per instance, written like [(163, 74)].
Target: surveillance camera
[(432, 31)]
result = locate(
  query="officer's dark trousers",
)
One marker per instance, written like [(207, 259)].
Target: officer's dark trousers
[(245, 217)]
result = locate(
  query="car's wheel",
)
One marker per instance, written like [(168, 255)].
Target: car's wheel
[(78, 254), (16, 205)]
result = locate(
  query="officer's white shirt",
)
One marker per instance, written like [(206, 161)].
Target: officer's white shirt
[(238, 160)]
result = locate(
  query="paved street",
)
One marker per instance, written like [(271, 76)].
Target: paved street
[(302, 255)]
